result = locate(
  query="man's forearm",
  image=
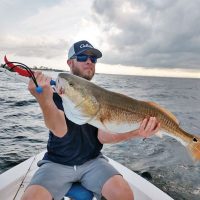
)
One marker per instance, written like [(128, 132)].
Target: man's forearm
[(147, 128), (125, 136), (49, 111), (105, 137), (53, 117)]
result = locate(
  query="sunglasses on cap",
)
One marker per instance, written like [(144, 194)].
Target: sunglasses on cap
[(83, 58)]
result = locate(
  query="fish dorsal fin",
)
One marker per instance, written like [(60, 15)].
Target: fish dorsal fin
[(164, 110)]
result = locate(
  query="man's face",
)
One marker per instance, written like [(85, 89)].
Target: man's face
[(83, 69)]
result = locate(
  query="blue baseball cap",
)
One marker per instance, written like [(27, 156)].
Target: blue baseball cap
[(82, 46)]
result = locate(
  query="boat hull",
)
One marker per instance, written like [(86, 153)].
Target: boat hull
[(14, 181)]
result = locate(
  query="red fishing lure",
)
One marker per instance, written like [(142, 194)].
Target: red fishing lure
[(16, 68)]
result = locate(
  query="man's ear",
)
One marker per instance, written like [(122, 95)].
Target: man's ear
[(69, 62)]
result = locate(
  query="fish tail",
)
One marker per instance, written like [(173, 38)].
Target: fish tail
[(194, 148)]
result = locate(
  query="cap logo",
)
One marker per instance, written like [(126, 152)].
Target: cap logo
[(85, 45)]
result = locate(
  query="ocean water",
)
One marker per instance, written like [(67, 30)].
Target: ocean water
[(23, 134)]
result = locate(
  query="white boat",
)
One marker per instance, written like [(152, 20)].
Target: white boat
[(14, 181)]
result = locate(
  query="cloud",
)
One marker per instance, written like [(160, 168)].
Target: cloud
[(33, 46), (13, 12), (144, 33), (152, 33), (38, 29)]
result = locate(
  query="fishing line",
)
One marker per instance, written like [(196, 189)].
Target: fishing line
[(22, 182)]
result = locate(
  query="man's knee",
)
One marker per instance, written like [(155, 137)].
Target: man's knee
[(117, 188), (36, 192)]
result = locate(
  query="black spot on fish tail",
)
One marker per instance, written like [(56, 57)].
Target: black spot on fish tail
[(195, 140)]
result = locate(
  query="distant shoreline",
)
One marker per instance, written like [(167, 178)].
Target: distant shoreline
[(61, 70), (43, 68)]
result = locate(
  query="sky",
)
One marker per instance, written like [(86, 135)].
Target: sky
[(139, 37)]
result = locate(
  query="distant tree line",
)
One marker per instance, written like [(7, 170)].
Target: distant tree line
[(42, 68)]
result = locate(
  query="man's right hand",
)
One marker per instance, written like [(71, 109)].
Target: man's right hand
[(44, 82)]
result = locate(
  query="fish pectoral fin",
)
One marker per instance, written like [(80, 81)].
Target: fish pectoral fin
[(74, 113), (171, 115), (76, 117)]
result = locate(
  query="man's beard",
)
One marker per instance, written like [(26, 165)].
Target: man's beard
[(77, 72)]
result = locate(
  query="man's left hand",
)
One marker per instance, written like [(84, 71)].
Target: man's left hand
[(148, 127)]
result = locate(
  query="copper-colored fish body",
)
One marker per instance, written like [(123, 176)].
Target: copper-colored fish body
[(85, 102)]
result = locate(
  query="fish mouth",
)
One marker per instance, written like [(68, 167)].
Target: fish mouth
[(60, 90), (59, 87)]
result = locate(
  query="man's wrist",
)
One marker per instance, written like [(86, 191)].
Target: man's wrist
[(136, 133), (45, 102)]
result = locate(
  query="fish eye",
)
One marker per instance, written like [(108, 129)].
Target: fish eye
[(71, 84), (195, 140)]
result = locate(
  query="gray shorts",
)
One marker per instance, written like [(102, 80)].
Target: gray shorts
[(58, 178)]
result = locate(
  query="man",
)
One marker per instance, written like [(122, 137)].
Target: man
[(74, 151)]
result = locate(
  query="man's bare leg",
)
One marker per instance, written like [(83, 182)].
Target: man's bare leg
[(36, 192), (116, 188)]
